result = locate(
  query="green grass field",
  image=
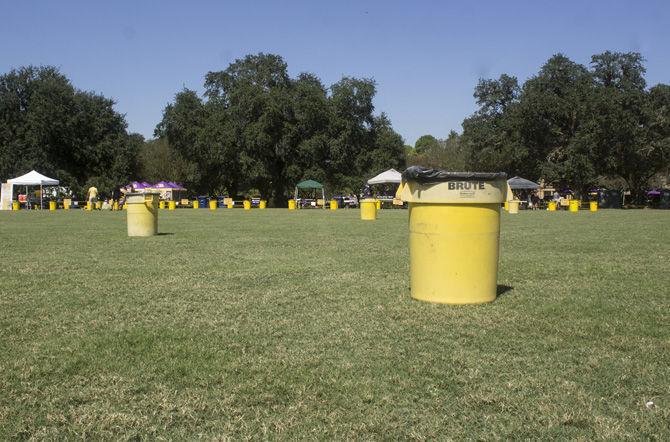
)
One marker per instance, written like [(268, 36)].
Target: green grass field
[(299, 325)]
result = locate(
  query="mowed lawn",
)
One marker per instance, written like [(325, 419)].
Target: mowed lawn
[(299, 325)]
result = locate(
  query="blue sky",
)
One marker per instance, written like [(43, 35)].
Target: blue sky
[(426, 56)]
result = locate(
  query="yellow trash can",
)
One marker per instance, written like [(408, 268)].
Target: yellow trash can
[(231, 205), (369, 209), (574, 205), (115, 206), (506, 206), (161, 204), (67, 202), (379, 204), (142, 213), (172, 205), (262, 204), (98, 205), (454, 231), (291, 204), (196, 204), (247, 205), (333, 204), (513, 207), (551, 206), (16, 205), (212, 204), (89, 206), (52, 205), (593, 206)]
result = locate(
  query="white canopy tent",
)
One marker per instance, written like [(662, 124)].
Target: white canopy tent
[(391, 176), (32, 178)]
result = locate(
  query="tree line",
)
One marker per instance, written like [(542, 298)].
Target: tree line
[(256, 129), (572, 125)]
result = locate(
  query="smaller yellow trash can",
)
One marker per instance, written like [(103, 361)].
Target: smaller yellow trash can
[(89, 206), (67, 202), (161, 204), (593, 206), (172, 205), (291, 204), (513, 207), (196, 204), (551, 206), (574, 206), (506, 206), (16, 205), (212, 204), (231, 205), (369, 209), (247, 205), (52, 205), (115, 206), (262, 204), (333, 204), (98, 205), (379, 204), (142, 214)]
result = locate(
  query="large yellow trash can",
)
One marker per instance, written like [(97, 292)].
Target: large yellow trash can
[(291, 204), (262, 204), (454, 231), (212, 204), (172, 205), (142, 213), (574, 206), (513, 207), (16, 205), (247, 205), (333, 204), (52, 205), (551, 206), (593, 206), (369, 209)]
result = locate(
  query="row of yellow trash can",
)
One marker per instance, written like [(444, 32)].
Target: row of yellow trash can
[(512, 206)]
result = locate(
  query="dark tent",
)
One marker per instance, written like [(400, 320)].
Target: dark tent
[(518, 183), (310, 185)]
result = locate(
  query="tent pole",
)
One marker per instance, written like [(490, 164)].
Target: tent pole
[(323, 197), (41, 193)]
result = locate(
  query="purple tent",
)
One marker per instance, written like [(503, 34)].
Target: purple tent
[(654, 193)]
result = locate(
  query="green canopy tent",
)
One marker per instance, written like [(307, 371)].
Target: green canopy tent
[(310, 185)]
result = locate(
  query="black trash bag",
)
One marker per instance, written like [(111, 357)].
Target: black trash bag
[(426, 175)]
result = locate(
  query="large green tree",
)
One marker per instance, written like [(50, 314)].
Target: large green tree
[(75, 136)]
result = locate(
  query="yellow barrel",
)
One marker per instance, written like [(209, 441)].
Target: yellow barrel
[(262, 204), (574, 206), (115, 206), (142, 213), (67, 202), (333, 204), (230, 205), (16, 205), (506, 206), (89, 206), (247, 205), (454, 231), (98, 204), (291, 204), (196, 205), (513, 206), (52, 205), (379, 204), (172, 205), (593, 206), (369, 209), (551, 206), (212, 204), (161, 204)]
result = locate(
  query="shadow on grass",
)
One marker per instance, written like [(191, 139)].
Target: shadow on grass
[(164, 234), (503, 289)]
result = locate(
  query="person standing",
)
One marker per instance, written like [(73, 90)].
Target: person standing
[(92, 197)]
